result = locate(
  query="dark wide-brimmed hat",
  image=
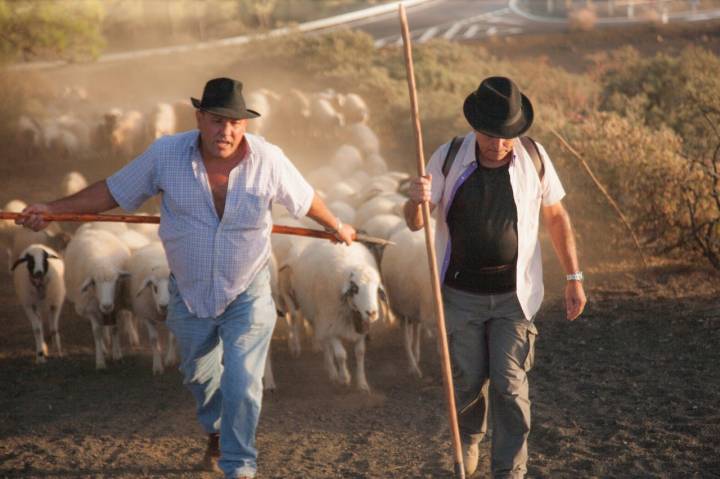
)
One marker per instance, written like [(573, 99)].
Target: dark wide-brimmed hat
[(223, 97), (498, 108)]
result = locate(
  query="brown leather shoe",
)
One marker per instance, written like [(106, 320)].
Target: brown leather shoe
[(212, 454)]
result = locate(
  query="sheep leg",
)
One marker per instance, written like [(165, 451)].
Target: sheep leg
[(294, 322), (55, 328), (330, 362), (41, 350), (361, 379), (115, 334), (408, 336), (155, 346), (128, 321), (99, 337), (416, 342), (170, 352), (341, 359), (268, 377)]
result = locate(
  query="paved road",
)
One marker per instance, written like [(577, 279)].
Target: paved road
[(465, 20), (451, 19)]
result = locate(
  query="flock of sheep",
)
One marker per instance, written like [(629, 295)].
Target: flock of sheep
[(116, 274)]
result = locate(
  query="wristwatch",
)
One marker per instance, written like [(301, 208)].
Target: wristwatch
[(575, 276)]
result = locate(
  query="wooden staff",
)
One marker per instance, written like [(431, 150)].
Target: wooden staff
[(430, 243), (278, 229)]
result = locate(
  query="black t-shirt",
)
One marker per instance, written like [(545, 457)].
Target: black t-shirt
[(482, 221)]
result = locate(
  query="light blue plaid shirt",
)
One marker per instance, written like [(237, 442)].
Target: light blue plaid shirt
[(213, 260)]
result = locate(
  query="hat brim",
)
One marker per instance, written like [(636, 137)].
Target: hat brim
[(480, 122), (226, 112)]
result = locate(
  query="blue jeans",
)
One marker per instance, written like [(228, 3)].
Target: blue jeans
[(222, 360)]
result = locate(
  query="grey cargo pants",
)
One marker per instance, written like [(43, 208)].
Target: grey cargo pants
[(492, 348)]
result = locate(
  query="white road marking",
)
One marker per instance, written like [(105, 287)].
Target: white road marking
[(452, 30), (471, 31), (428, 34)]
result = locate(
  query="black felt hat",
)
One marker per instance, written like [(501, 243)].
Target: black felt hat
[(498, 108), (223, 97)]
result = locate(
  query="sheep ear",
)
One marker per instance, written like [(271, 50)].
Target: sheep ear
[(88, 282), (382, 294), (145, 284), (350, 288), (18, 262)]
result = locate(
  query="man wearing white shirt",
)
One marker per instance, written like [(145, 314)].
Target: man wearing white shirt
[(490, 188), (217, 185)]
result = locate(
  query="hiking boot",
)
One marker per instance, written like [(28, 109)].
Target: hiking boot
[(470, 453), (212, 454)]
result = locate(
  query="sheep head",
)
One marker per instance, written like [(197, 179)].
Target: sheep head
[(105, 289), (361, 292), (158, 285)]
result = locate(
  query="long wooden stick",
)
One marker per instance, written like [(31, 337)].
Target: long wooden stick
[(430, 243), (277, 229), (604, 192)]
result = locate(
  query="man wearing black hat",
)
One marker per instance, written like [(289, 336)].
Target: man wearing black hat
[(218, 184), (490, 187)]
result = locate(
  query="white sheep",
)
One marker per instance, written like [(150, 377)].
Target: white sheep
[(149, 296), (382, 226), (262, 101), (346, 160), (338, 289), (361, 136), (375, 164), (342, 210), (184, 115), (128, 137), (406, 275), (323, 178), (162, 121), (325, 119), (71, 183), (40, 288), (355, 109), (382, 204), (28, 135), (94, 271)]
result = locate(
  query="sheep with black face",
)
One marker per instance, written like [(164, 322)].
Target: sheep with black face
[(38, 277)]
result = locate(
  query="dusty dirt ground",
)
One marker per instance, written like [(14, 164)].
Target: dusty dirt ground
[(630, 390)]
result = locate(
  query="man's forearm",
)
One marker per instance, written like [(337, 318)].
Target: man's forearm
[(320, 213), (96, 198), (563, 239), (413, 215)]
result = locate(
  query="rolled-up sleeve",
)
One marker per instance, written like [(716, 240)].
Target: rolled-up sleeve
[(292, 191), (552, 188), (136, 181)]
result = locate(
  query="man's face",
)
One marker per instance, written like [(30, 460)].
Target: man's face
[(493, 149), (221, 137)]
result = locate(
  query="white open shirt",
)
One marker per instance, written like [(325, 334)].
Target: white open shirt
[(528, 193)]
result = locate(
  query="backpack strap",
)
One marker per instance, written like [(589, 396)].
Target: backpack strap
[(532, 150), (455, 145)]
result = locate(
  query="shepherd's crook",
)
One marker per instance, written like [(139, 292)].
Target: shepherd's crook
[(278, 229), (429, 241)]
